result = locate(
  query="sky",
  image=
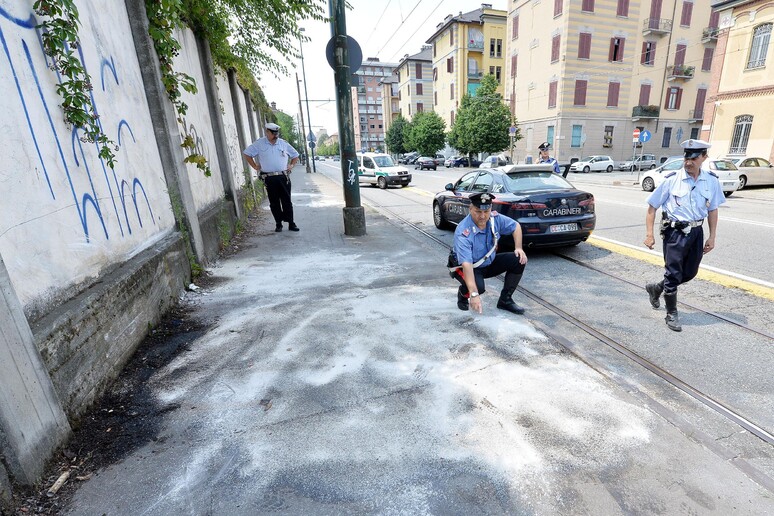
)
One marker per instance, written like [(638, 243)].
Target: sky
[(387, 29)]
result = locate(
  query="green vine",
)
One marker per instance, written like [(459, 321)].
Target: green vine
[(163, 18), (60, 42)]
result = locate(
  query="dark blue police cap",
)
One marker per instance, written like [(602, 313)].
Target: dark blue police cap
[(544, 146), (482, 201)]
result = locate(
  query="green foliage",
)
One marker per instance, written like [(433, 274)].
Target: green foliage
[(328, 149), (288, 130), (394, 139), (425, 133), (60, 43), (482, 121)]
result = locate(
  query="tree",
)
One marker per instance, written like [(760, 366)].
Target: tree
[(482, 121), (426, 133), (288, 130), (396, 134)]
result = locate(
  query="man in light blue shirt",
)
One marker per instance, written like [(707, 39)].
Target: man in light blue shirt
[(686, 197), (545, 158), (475, 242), (273, 153)]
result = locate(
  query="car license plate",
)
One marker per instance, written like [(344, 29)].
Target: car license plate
[(562, 228)]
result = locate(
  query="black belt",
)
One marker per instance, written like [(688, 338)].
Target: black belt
[(680, 224), (273, 173)]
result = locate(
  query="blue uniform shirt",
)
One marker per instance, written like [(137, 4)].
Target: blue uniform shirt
[(553, 162), (271, 158), (686, 200), (471, 243)]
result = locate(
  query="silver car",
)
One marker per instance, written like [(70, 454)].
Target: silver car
[(754, 171), (593, 164), (639, 162)]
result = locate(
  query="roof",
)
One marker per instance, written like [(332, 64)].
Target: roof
[(726, 4), (425, 55), (470, 17)]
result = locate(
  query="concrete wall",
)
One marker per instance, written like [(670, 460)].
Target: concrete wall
[(93, 255)]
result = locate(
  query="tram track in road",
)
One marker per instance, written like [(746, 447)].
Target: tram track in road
[(621, 348)]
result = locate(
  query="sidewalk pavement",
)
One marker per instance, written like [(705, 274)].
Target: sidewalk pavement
[(338, 376)]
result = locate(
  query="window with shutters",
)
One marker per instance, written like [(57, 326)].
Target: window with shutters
[(452, 117), (622, 9), (435, 74), (409, 106), (742, 127), (685, 17), (498, 73), (492, 47), (587, 6), (420, 89), (706, 62), (613, 89), (451, 36), (680, 54), (666, 137), (584, 45), (694, 133), (760, 46), (515, 27), (577, 133), (673, 97), (435, 98), (558, 7), (714, 19), (648, 53), (420, 107), (552, 87), (616, 50), (607, 140), (499, 48), (450, 65), (491, 70), (418, 70), (514, 64), (698, 107), (644, 95), (555, 42), (579, 98)]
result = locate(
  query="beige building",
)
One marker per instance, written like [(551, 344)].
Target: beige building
[(465, 47), (415, 83), (583, 74), (740, 105), (390, 100), (367, 105)]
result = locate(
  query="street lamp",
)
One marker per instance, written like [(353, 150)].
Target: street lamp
[(306, 95)]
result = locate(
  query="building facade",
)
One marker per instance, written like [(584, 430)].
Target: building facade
[(584, 74), (415, 83), (465, 48), (367, 105), (740, 103), (390, 100)]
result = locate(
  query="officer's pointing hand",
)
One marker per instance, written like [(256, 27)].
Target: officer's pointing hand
[(521, 255), (476, 305)]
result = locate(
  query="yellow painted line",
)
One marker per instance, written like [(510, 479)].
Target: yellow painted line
[(419, 191), (705, 273)]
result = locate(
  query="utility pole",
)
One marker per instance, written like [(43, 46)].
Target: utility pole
[(354, 215), (303, 129), (306, 95)]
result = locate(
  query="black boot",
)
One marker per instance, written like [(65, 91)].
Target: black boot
[(462, 301), (278, 228), (654, 291), (292, 226), (506, 301), (672, 320)]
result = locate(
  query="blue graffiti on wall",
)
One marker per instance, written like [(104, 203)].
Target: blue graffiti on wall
[(79, 175)]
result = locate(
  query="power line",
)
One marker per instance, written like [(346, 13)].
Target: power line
[(398, 28), (421, 25), (377, 23)]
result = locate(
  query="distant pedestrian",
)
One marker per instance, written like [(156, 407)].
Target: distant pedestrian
[(475, 243), (273, 153), (545, 158), (686, 197)]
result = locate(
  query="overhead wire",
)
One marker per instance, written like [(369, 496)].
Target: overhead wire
[(377, 23), (398, 28), (421, 25)]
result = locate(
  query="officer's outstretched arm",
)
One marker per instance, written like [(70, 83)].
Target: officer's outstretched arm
[(518, 250), (470, 282), (650, 218)]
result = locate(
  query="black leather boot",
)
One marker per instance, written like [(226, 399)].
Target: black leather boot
[(654, 292), (278, 228), (462, 301), (672, 320), (506, 301)]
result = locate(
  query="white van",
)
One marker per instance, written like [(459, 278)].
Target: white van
[(380, 170)]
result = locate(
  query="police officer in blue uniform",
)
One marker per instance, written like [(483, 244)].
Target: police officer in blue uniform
[(686, 197), (475, 242), (545, 158)]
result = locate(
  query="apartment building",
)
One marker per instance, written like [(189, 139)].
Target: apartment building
[(583, 74), (390, 100), (415, 82), (740, 103), (464, 48), (367, 105)]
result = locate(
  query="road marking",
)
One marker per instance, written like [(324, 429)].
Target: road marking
[(754, 286), (419, 191), (644, 206)]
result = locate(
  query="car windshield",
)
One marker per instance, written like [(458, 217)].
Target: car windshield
[(384, 161), (676, 164), (588, 158), (526, 181), (722, 165)]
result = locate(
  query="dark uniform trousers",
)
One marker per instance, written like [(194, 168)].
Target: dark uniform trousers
[(506, 262), (682, 256), (278, 191)]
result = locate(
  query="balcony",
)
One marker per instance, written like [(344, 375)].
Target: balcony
[(680, 72), (696, 115), (640, 112), (475, 74), (710, 35), (657, 27), (475, 46)]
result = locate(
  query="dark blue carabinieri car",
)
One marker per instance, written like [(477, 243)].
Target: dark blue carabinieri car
[(551, 211)]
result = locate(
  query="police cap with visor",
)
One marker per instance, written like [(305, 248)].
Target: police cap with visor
[(482, 201), (694, 148), (272, 127), (544, 146)]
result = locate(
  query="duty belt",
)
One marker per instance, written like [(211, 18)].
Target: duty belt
[(273, 173), (679, 224)]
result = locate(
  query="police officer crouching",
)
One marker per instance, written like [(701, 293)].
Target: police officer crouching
[(686, 197), (475, 243)]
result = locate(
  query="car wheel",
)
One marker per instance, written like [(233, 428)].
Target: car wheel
[(742, 182), (653, 166), (438, 218), (404, 185), (728, 194), (648, 185), (435, 168), (382, 183), (609, 169), (586, 169)]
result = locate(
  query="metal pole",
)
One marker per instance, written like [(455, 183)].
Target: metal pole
[(303, 129), (354, 215), (306, 96)]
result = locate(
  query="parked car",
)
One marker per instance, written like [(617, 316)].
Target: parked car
[(425, 162), (754, 171), (336, 158), (593, 164), (379, 170), (492, 162), (551, 211), (727, 173), (449, 162), (464, 161), (639, 162), (440, 159), (407, 157)]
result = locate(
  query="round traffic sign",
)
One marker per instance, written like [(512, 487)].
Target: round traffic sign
[(645, 136), (636, 133)]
